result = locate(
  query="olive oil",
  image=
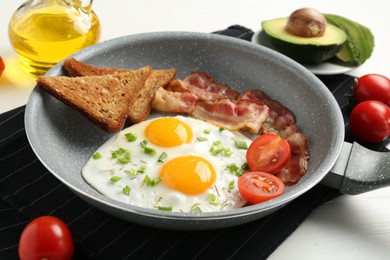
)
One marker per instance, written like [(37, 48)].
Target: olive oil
[(46, 34)]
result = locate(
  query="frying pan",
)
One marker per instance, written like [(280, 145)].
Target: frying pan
[(64, 140)]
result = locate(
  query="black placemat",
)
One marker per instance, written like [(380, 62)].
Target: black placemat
[(28, 190)]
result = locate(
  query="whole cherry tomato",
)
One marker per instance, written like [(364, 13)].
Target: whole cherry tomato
[(370, 121), (257, 187), (373, 87), (46, 237), (2, 66)]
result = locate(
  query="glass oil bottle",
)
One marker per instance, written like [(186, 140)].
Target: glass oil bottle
[(44, 32)]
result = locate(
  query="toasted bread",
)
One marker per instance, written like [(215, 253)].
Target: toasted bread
[(104, 99), (142, 105), (78, 68)]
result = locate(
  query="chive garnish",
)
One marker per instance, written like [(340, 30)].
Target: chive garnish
[(123, 160), (126, 190), (142, 169), (221, 129), (228, 151), (97, 155), (144, 143), (202, 139), (149, 150), (241, 144), (115, 178), (207, 131), (163, 157), (150, 182), (231, 185), (131, 137), (195, 210), (213, 199), (165, 208)]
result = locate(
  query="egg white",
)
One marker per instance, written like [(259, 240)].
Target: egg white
[(99, 172)]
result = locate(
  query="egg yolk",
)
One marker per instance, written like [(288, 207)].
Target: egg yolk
[(168, 132), (188, 174)]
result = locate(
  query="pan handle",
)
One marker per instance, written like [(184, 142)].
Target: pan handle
[(358, 170)]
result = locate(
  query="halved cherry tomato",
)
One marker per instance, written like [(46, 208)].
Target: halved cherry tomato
[(370, 121), (268, 153), (2, 66), (373, 87), (257, 187), (46, 237)]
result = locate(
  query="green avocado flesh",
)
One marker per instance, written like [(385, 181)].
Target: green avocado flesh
[(308, 50)]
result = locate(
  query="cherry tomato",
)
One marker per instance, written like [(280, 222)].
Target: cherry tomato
[(2, 66), (370, 121), (373, 87), (46, 237), (257, 187), (268, 153)]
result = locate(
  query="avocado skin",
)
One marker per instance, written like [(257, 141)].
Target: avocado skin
[(306, 53)]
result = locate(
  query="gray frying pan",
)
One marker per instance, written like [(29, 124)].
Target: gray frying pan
[(64, 140)]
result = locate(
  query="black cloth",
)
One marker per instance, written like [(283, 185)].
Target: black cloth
[(28, 190)]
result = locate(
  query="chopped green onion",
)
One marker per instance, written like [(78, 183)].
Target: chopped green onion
[(163, 157), (123, 160), (228, 151), (241, 144), (149, 150), (232, 167), (166, 208), (150, 182), (231, 185), (97, 155), (142, 169), (202, 139), (217, 149), (126, 190), (131, 137), (245, 166), (117, 153), (196, 210), (115, 178), (144, 143), (216, 143), (213, 199), (239, 172), (133, 172), (207, 131), (221, 129)]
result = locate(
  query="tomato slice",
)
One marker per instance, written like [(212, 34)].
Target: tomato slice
[(268, 153), (257, 187)]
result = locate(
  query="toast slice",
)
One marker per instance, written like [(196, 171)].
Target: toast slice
[(142, 105), (104, 99)]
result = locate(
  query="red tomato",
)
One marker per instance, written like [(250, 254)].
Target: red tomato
[(46, 237), (2, 66), (268, 153), (370, 121), (256, 187), (373, 87)]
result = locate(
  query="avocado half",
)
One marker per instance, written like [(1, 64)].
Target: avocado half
[(308, 50)]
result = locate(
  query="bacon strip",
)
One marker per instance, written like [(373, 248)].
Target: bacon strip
[(202, 85), (297, 165), (170, 101), (231, 115)]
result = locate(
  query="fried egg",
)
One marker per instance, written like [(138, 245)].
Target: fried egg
[(178, 164)]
